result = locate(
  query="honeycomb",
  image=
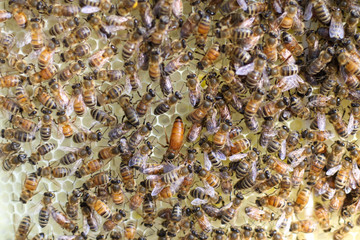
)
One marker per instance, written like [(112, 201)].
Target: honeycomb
[(11, 182)]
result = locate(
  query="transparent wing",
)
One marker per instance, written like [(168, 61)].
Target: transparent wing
[(220, 155), (242, 4), (321, 121), (157, 189), (244, 70), (308, 11), (237, 157), (351, 125), (90, 9), (198, 201), (336, 29), (207, 162), (280, 220), (282, 152), (333, 170)]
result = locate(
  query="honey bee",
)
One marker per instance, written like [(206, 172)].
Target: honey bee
[(108, 75), (270, 49), (313, 45), (202, 220), (188, 28), (10, 105), (203, 29), (45, 74), (30, 185), (98, 25), (13, 161), (202, 196), (139, 159), (17, 135), (131, 45), (64, 124), (336, 29), (137, 136), (73, 156), (254, 72), (46, 124), (5, 15), (274, 201), (115, 219), (64, 26), (89, 168), (98, 59), (36, 29), (60, 95), (146, 14), (71, 70), (19, 15), (145, 102), (176, 140), (23, 229), (131, 74), (320, 62), (320, 9), (46, 55), (177, 63), (44, 98), (44, 214), (230, 212), (137, 199), (351, 21), (348, 62), (341, 128), (41, 151), (305, 226), (278, 143), (125, 7), (337, 201), (291, 44), (165, 104), (323, 217), (79, 51), (343, 231), (256, 8), (197, 115), (210, 57), (8, 148), (64, 10), (72, 205), (9, 81), (22, 123), (302, 199), (154, 65), (127, 175), (64, 222), (99, 206)]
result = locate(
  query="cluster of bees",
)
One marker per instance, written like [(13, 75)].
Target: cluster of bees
[(272, 92)]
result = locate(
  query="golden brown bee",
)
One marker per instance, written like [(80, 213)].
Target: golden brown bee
[(132, 76), (19, 15), (302, 199), (292, 44), (273, 201), (210, 177), (44, 98), (79, 51), (254, 72), (348, 62), (24, 101), (319, 63), (73, 156), (197, 115), (318, 135), (89, 168), (343, 231), (95, 6), (46, 55), (98, 25), (8, 148), (46, 124), (270, 109), (98, 59), (210, 57), (9, 81), (126, 6), (137, 199), (5, 15), (29, 188), (146, 14), (145, 102), (89, 216), (188, 28), (64, 10), (323, 216), (115, 219), (129, 110), (337, 201), (117, 194), (256, 8), (37, 40), (63, 220), (59, 94), (340, 126), (108, 75), (45, 74), (177, 63), (9, 105), (44, 214), (270, 49), (305, 226), (203, 29), (154, 65), (176, 139), (13, 161), (64, 124), (23, 229), (127, 175), (99, 206), (202, 220), (39, 236)]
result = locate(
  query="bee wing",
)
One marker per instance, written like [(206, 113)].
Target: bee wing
[(86, 227), (90, 9), (177, 8), (220, 155), (169, 167), (198, 201), (132, 161), (154, 177), (336, 29), (321, 121), (247, 23), (75, 167), (209, 190), (280, 220), (287, 83), (26, 41), (237, 157), (242, 4), (351, 125), (66, 237), (264, 82), (113, 28), (157, 189), (175, 186), (355, 171), (244, 70), (308, 11), (253, 171), (207, 162), (347, 189), (279, 20), (333, 170), (277, 6), (282, 152), (323, 189)]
